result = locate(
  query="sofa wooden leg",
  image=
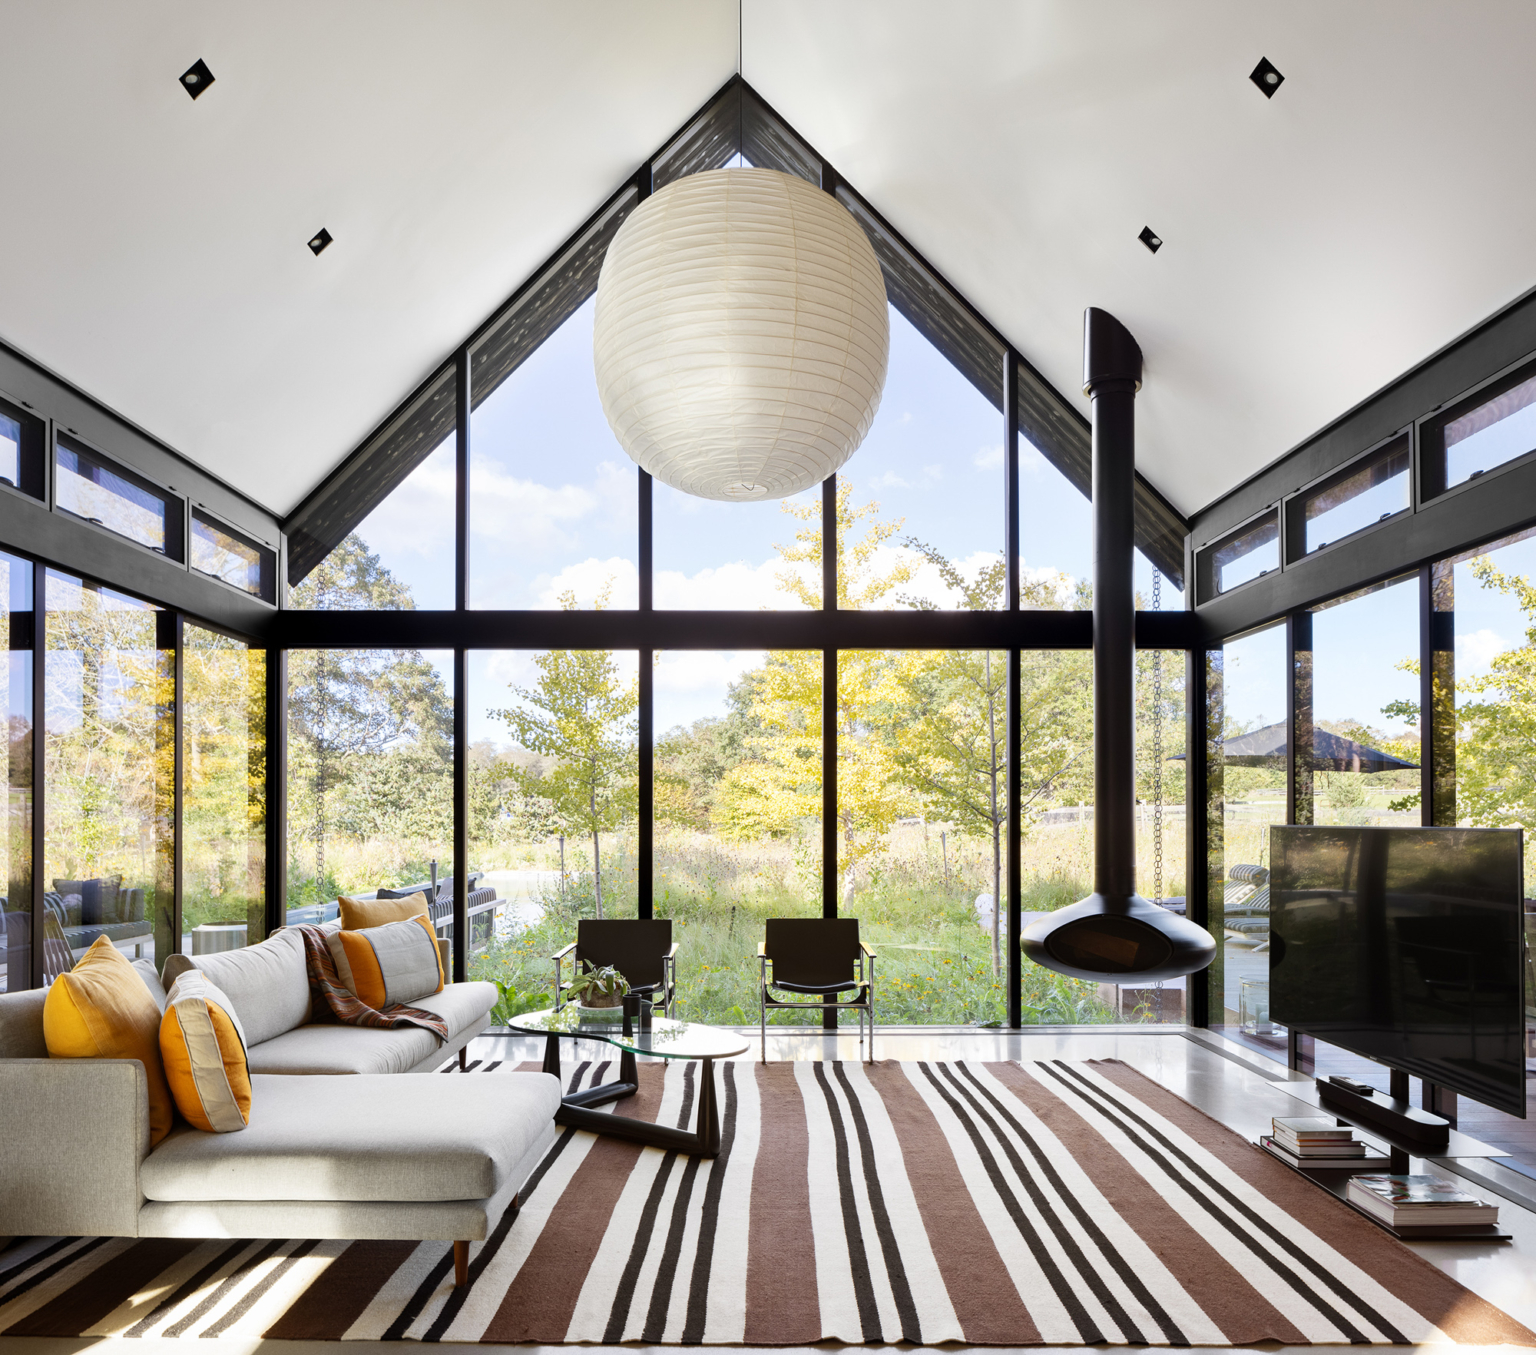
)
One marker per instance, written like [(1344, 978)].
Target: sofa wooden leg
[(464, 1059), (460, 1264)]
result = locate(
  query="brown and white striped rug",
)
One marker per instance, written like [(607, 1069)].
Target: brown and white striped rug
[(1015, 1204)]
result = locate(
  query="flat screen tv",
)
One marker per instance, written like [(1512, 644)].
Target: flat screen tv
[(1405, 945)]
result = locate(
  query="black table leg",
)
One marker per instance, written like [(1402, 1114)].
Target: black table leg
[(703, 1142), (552, 1054), (709, 1112)]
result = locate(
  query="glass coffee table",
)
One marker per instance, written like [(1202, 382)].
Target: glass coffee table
[(656, 1036)]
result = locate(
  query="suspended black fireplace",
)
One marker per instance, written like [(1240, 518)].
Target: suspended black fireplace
[(1114, 933)]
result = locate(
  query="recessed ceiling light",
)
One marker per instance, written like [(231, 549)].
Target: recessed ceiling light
[(1266, 77), (196, 78), (320, 240), (1150, 239)]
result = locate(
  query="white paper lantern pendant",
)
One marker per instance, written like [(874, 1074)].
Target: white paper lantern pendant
[(741, 334)]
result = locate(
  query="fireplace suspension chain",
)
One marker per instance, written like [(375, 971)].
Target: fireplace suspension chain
[(1157, 773)]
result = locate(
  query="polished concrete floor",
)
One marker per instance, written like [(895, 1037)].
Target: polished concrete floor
[(1241, 1091)]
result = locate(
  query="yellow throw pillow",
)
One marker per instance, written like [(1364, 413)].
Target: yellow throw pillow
[(398, 962), (358, 914), (203, 1045), (102, 1009)]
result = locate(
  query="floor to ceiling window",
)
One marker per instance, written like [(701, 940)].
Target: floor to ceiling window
[(16, 673), (224, 776), (370, 774), (1248, 703), (109, 775), (553, 801)]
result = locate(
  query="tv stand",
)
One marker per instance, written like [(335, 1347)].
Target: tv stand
[(1393, 1115)]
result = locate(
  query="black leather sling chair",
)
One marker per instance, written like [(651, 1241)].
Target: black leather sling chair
[(641, 949), (820, 958)]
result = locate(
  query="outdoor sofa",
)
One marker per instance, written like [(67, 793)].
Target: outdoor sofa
[(339, 1145)]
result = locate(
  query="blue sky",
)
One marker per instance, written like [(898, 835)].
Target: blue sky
[(553, 508)]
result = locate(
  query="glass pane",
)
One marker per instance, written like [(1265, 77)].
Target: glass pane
[(1491, 434), (108, 765), (738, 816), (1248, 704), (1483, 748), (1056, 544), (224, 816), (1248, 554), (401, 556), (1056, 785), (16, 673), (102, 493), (10, 449), (226, 556), (553, 788), (1369, 494), (713, 556), (553, 497), (931, 470), (370, 776), (1160, 872), (1365, 709)]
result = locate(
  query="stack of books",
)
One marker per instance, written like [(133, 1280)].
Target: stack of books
[(1321, 1143), (1418, 1202)]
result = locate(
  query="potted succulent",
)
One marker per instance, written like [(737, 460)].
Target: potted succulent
[(599, 993)]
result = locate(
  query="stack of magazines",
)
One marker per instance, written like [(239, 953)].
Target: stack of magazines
[(1419, 1201), (1321, 1143)]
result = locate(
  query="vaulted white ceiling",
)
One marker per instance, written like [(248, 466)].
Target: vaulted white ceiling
[(152, 249)]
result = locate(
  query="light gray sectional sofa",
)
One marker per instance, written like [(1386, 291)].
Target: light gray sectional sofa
[(338, 1146)]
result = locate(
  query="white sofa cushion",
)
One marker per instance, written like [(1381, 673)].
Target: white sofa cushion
[(326, 1048), (267, 984), (362, 1138)]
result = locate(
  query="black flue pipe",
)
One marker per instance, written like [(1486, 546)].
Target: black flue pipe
[(1115, 934), (1111, 378)]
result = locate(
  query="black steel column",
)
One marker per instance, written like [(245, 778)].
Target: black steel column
[(829, 563), (1300, 762), (39, 762), (277, 789), (1437, 695), (179, 786), (460, 815), (1013, 738), (462, 414), (1112, 377), (645, 806), (1196, 821), (461, 395)]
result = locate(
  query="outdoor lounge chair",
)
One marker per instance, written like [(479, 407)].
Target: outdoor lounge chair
[(820, 957), (641, 949), (1245, 906)]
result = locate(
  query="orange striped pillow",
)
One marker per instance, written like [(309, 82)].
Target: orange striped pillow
[(203, 1045), (398, 962)]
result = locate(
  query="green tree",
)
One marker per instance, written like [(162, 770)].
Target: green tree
[(581, 714), (1496, 731), (779, 787), (348, 708), (950, 738)]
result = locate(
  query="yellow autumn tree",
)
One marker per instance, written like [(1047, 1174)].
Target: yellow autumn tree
[(777, 791)]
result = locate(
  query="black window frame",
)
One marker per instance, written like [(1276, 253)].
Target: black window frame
[(1293, 508), (32, 460), (175, 548), (1430, 439), (1206, 576), (266, 555)]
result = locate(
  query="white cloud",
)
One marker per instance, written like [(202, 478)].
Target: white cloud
[(587, 580), (1031, 460), (889, 480), (988, 458), (1477, 649), (538, 515), (734, 587)]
